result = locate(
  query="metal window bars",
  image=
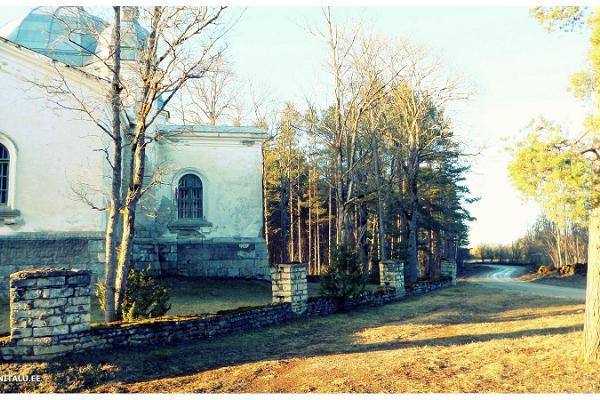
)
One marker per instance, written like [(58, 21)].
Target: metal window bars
[(4, 164), (189, 197)]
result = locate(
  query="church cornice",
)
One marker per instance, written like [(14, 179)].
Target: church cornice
[(31, 59), (247, 135)]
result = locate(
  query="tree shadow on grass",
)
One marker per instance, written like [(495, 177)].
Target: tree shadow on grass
[(335, 334)]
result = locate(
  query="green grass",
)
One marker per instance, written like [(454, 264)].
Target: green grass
[(197, 296)]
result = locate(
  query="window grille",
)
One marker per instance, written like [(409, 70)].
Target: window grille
[(189, 197), (4, 163)]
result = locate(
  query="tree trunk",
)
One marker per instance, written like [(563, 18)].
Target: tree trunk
[(138, 165), (310, 226), (341, 222), (284, 198), (291, 212), (329, 227), (110, 240), (380, 205), (591, 329), (299, 214), (318, 232), (412, 269), (265, 203)]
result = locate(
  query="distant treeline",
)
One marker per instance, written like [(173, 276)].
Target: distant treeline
[(546, 243)]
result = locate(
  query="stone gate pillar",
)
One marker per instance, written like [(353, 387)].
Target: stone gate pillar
[(448, 270), (391, 274), (288, 283), (46, 306)]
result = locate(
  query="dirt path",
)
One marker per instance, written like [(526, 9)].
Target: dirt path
[(503, 277)]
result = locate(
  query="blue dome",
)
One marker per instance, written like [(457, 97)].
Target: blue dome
[(66, 34)]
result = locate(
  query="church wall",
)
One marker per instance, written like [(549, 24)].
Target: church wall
[(231, 174), (52, 152), (55, 152)]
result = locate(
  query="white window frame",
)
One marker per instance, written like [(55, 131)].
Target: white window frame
[(12, 171)]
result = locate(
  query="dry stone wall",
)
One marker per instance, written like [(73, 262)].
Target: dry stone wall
[(47, 307), (50, 314)]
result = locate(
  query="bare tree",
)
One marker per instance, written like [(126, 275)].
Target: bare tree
[(418, 100), (181, 45), (360, 80), (212, 98)]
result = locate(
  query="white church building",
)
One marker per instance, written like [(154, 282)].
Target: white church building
[(206, 217)]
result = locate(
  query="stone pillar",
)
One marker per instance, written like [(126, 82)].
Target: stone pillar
[(448, 270), (391, 274), (289, 285), (46, 306)]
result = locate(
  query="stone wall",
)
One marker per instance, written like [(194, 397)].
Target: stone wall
[(243, 258), (19, 252), (51, 317), (448, 270), (289, 285), (145, 252)]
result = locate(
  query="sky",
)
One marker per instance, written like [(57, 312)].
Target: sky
[(518, 70)]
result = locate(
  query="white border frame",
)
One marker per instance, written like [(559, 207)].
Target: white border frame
[(7, 142)]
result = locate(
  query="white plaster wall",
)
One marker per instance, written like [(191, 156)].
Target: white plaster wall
[(231, 174), (55, 152)]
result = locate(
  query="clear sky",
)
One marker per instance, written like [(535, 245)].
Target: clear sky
[(519, 71)]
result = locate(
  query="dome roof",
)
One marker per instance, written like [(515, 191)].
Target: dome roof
[(133, 36), (66, 34)]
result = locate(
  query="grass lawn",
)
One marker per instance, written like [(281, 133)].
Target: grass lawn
[(468, 338), (196, 296)]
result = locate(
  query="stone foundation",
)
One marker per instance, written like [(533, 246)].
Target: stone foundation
[(289, 285), (239, 258), (391, 274), (84, 251), (448, 270)]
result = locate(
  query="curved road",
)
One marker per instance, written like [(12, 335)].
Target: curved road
[(503, 277)]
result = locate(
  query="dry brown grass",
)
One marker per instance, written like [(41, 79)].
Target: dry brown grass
[(465, 339)]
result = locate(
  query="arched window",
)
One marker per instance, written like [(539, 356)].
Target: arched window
[(189, 197), (4, 163)]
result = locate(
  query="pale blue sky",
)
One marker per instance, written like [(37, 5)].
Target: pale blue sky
[(519, 72)]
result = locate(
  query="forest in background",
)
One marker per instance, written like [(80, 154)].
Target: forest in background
[(380, 168)]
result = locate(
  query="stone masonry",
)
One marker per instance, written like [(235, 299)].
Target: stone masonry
[(243, 258), (50, 314), (182, 257), (289, 285), (448, 270), (391, 274), (47, 305), (84, 251)]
